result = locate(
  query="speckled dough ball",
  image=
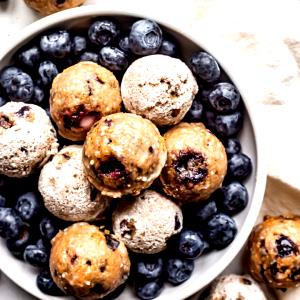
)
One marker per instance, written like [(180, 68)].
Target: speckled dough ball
[(196, 163), (146, 222), (87, 263), (27, 139), (66, 192), (232, 287), (123, 154), (81, 95), (160, 88), (47, 7), (274, 256)]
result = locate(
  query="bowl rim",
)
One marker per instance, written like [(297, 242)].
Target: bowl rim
[(108, 9)]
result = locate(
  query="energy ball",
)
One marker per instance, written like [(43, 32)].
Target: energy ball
[(66, 192), (160, 88), (274, 256), (196, 163), (80, 96), (123, 154), (27, 139), (47, 7), (146, 222), (87, 263), (229, 287)]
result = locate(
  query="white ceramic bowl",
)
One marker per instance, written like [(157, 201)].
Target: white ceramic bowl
[(208, 266)]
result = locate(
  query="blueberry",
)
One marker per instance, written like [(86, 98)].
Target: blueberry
[(220, 231), (149, 290), (178, 270), (41, 244), (239, 166), (205, 66), (89, 56), (232, 146), (79, 44), (30, 57), (233, 198), (210, 119), (20, 88), (168, 47), (48, 229), (113, 58), (145, 37), (47, 71), (46, 284), (124, 44), (229, 125), (103, 32), (35, 256), (38, 96), (7, 75), (2, 101), (18, 244), (224, 98), (28, 206), (195, 112), (3, 201), (190, 244), (207, 247), (57, 44), (149, 268), (10, 223)]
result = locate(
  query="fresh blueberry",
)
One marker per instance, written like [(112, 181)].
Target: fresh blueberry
[(89, 56), (18, 244), (41, 244), (205, 66), (220, 231), (79, 45), (46, 284), (195, 112), (149, 290), (38, 96), (229, 125), (7, 75), (232, 146), (3, 201), (48, 229), (149, 268), (124, 44), (103, 32), (145, 37), (233, 198), (113, 58), (28, 206), (207, 247), (190, 244), (239, 166), (2, 101), (168, 47), (224, 98), (35, 256), (47, 71), (210, 120), (178, 270), (10, 223), (57, 44), (20, 88), (30, 57)]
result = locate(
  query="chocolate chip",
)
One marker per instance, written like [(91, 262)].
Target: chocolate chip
[(108, 122), (246, 281), (5, 122), (273, 268), (177, 223), (89, 88), (112, 243), (285, 246), (127, 228), (151, 150), (102, 269), (22, 110), (88, 262), (66, 155), (73, 258), (99, 80), (24, 150)]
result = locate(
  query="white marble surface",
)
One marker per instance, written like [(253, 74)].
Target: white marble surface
[(261, 40)]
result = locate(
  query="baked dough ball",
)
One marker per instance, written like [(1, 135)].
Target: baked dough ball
[(80, 96), (274, 256), (160, 88), (87, 263), (66, 192), (27, 139), (146, 222), (47, 7), (196, 163), (123, 154)]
